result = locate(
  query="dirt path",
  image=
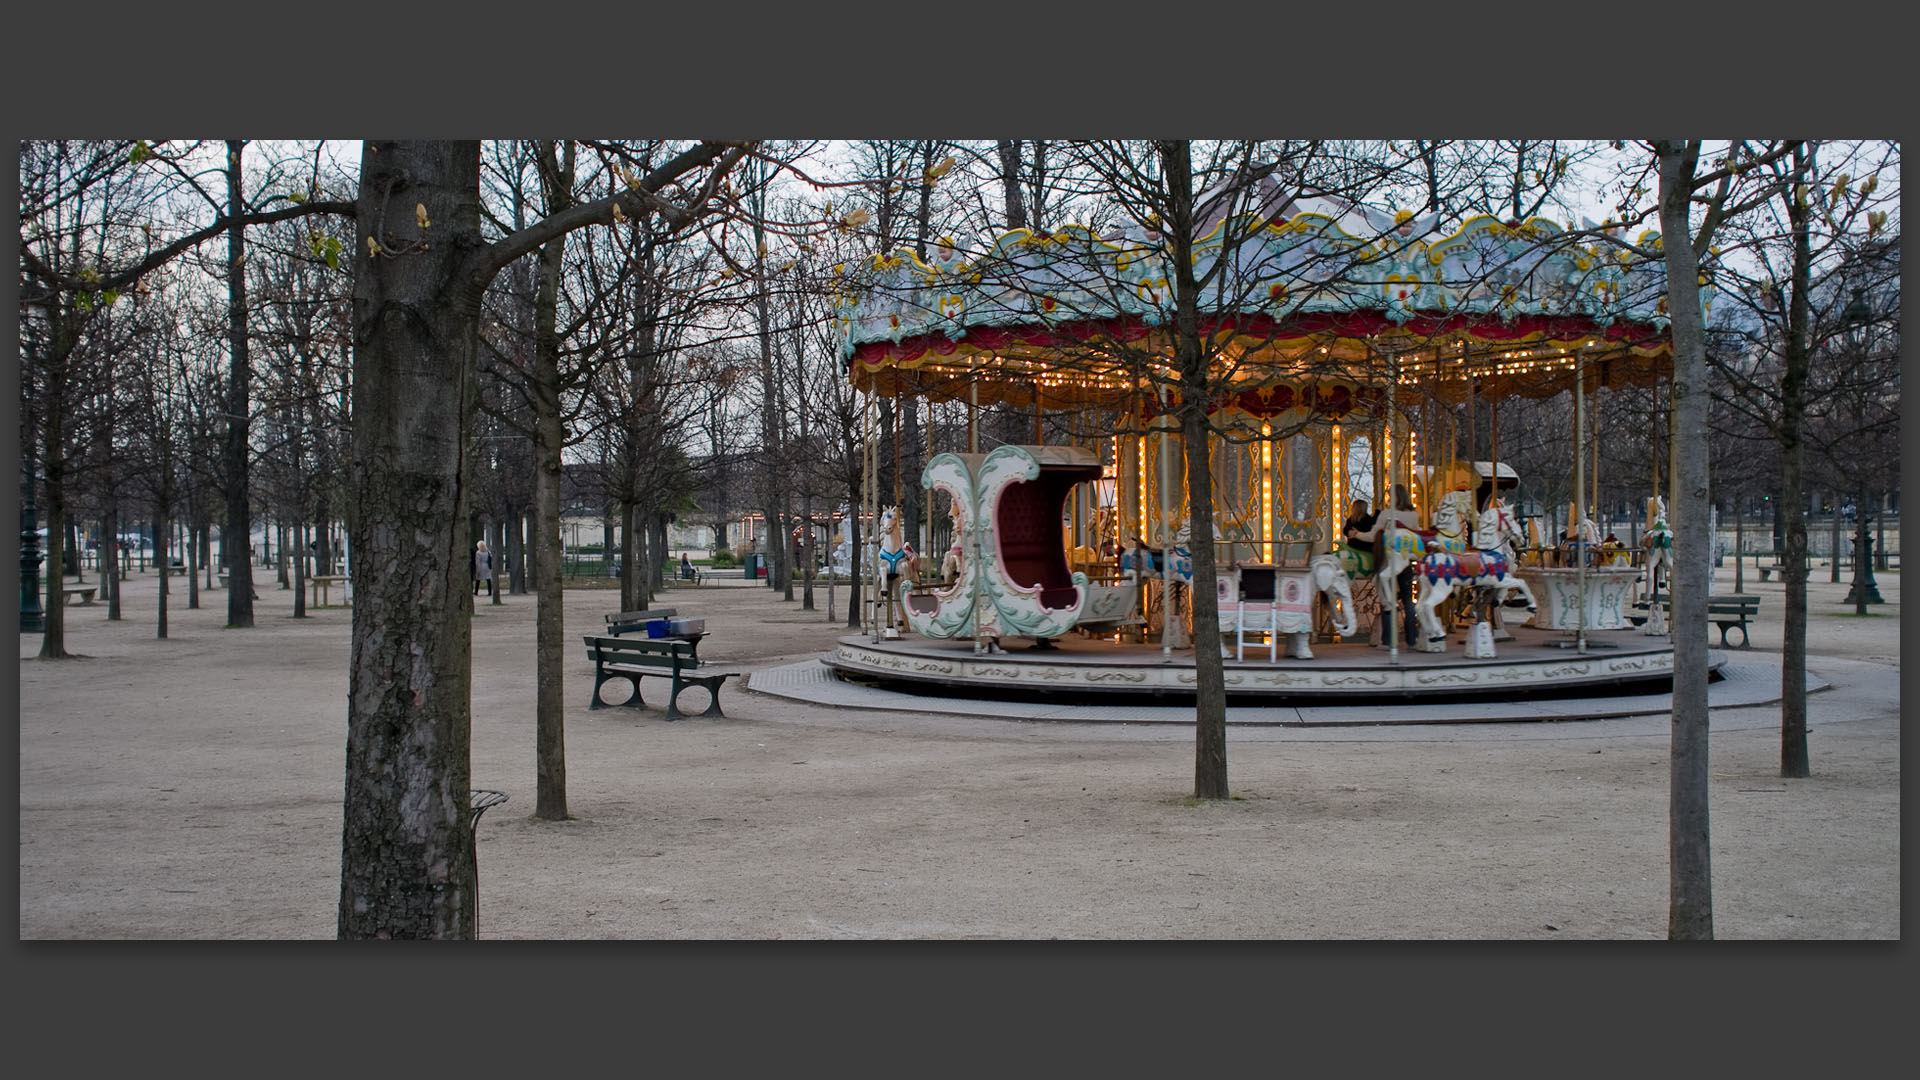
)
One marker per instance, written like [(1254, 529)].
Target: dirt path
[(189, 788)]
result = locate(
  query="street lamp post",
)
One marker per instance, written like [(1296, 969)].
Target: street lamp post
[(1864, 590)]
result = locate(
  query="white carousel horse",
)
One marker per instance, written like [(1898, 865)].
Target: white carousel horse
[(1445, 567), (950, 566), (841, 562), (1584, 541), (896, 558), (1498, 531), (1658, 543)]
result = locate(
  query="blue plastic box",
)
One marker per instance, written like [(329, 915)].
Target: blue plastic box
[(658, 627)]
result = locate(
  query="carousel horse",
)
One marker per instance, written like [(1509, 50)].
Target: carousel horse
[(1142, 563), (841, 562), (1499, 532), (1658, 543), (950, 566), (1442, 569), (896, 559), (1579, 542)]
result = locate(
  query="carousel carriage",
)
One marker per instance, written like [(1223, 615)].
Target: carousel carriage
[(1008, 562)]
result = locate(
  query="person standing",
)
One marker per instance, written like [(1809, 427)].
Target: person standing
[(482, 568)]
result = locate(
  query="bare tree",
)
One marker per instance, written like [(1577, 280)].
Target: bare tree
[(421, 271), (1688, 241)]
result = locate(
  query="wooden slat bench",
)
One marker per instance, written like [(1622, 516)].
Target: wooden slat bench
[(1726, 612), (627, 622), (635, 622), (634, 659)]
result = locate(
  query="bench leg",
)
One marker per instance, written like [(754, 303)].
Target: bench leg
[(711, 686), (673, 700), (713, 707), (633, 700)]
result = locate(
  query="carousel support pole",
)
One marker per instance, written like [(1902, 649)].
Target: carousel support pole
[(1167, 609), (1390, 603), (1580, 548), (870, 613), (1594, 449), (926, 509), (973, 414), (1414, 485)]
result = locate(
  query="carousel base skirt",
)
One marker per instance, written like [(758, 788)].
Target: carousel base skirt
[(1534, 663)]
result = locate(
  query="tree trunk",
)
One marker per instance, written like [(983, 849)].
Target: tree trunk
[(193, 567), (497, 544), (1009, 150), (239, 508), (631, 598), (407, 868), (1690, 886), (53, 488), (162, 564), (1794, 760), (299, 549), (513, 528), (549, 440), (549, 717), (856, 560), (110, 559), (1210, 687)]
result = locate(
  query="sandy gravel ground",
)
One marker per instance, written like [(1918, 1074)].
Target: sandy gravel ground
[(189, 788)]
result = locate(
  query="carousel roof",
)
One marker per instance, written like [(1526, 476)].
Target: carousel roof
[(1315, 298)]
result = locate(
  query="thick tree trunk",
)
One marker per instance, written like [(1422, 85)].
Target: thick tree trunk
[(513, 528), (1690, 886), (549, 439), (549, 724), (299, 548), (1794, 760), (407, 868), (53, 638), (239, 507)]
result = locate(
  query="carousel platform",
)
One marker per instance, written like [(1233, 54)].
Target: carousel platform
[(1535, 664)]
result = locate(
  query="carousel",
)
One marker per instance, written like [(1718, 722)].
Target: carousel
[(1351, 362)]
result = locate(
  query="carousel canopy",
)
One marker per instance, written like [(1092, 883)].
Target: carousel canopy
[(1313, 298)]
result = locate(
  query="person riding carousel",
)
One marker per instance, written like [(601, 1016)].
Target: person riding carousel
[(1402, 515), (1358, 533)]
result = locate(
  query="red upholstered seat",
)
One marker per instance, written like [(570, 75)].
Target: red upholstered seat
[(1027, 523)]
